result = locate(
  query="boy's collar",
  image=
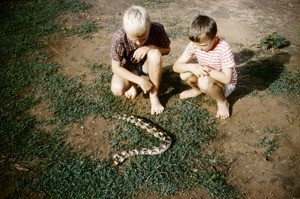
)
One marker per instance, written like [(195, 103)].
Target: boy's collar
[(216, 42)]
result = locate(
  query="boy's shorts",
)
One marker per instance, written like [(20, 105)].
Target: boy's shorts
[(139, 68), (136, 68), (229, 88)]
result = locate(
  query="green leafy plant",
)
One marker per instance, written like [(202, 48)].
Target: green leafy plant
[(273, 40)]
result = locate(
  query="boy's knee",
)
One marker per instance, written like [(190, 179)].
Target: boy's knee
[(205, 83), (117, 90), (185, 76), (154, 55)]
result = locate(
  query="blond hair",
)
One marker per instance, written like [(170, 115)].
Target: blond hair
[(202, 27), (136, 21)]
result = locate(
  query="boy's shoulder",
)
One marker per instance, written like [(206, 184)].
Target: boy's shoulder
[(222, 45), (158, 35), (223, 42), (156, 25), (119, 36), (120, 33)]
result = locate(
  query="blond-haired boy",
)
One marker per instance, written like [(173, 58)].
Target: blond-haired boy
[(137, 50), (215, 73)]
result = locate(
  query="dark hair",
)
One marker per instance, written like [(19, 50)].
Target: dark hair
[(202, 26)]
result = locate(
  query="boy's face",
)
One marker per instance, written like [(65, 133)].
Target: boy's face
[(205, 45), (140, 39)]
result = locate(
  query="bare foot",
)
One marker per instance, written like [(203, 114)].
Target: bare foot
[(223, 110), (156, 107), (189, 93), (131, 93)]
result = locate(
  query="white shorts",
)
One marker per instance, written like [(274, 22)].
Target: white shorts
[(229, 88)]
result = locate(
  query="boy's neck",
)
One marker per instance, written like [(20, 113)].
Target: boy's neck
[(216, 42)]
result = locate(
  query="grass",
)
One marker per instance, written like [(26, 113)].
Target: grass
[(54, 169), (269, 141), (23, 23), (262, 72), (288, 85), (151, 3), (83, 30), (176, 31)]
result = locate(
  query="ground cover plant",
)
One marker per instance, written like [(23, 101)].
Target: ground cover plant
[(36, 159), (56, 170), (273, 40)]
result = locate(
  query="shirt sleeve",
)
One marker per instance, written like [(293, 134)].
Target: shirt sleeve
[(164, 39), (227, 57), (117, 49), (189, 50), (158, 36)]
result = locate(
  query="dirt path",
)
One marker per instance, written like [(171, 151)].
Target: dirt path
[(257, 120)]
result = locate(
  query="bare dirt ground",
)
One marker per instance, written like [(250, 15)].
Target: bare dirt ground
[(256, 118)]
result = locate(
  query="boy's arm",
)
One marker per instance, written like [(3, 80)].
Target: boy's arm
[(224, 76), (227, 62), (141, 52), (126, 74), (181, 66)]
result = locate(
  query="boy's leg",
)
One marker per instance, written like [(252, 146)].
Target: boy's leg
[(215, 90), (191, 80), (120, 86), (153, 66)]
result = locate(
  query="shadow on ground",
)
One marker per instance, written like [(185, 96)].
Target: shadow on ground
[(253, 76), (171, 85), (256, 75)]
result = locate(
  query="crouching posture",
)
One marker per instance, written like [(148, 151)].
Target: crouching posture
[(136, 52), (215, 73)]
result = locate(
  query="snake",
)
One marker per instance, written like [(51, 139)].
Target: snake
[(165, 139)]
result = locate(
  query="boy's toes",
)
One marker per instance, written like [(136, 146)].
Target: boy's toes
[(223, 110), (156, 106), (157, 110), (131, 93)]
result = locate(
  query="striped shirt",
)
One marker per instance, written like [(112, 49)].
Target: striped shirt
[(122, 47), (217, 59)]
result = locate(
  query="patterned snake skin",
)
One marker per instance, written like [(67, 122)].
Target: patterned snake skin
[(166, 140)]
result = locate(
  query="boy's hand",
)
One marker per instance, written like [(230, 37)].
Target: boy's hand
[(201, 70), (145, 85), (140, 53)]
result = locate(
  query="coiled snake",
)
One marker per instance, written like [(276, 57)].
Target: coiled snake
[(166, 140)]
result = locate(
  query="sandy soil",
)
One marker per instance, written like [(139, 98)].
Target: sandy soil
[(256, 118)]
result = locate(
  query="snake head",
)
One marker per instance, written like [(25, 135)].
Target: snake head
[(118, 159)]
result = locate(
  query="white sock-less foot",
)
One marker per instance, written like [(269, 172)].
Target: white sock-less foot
[(223, 110)]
